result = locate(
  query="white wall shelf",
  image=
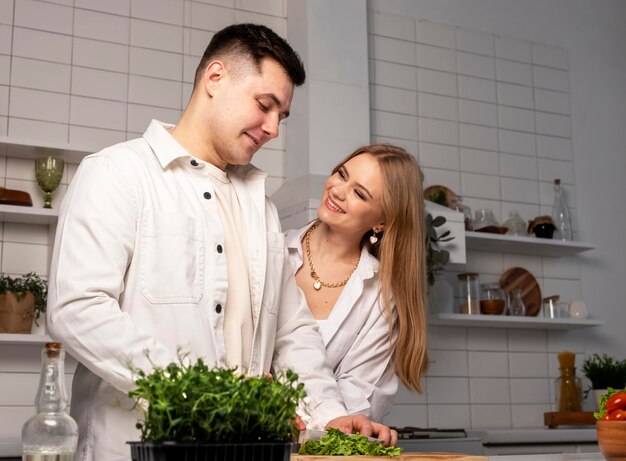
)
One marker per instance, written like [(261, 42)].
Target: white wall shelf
[(17, 338), (21, 148), (523, 245), (505, 321), (28, 215)]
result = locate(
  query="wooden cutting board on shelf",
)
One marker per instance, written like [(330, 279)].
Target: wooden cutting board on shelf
[(517, 277), (402, 457)]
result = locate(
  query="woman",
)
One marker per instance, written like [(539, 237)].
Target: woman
[(362, 268)]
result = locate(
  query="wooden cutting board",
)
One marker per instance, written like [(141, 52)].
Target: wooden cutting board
[(517, 277), (402, 457)]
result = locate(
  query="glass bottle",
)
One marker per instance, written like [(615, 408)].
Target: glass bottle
[(516, 304), (568, 390), (458, 205), (560, 214), (52, 434)]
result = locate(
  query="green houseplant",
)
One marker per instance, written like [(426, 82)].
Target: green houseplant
[(195, 412), (604, 371), (22, 300), (437, 257)]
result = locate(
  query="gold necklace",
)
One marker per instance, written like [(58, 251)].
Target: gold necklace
[(318, 284)]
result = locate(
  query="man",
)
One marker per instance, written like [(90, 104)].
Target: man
[(167, 243)]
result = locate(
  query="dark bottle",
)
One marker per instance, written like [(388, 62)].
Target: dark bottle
[(52, 434)]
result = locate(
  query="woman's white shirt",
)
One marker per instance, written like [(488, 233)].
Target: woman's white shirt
[(357, 336)]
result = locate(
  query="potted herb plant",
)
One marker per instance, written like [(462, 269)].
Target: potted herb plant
[(604, 371), (22, 300), (437, 257), (193, 412)]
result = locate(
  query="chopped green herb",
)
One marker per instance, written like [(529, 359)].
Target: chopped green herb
[(338, 443)]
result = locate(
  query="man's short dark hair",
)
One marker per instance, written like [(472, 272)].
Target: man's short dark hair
[(252, 42)]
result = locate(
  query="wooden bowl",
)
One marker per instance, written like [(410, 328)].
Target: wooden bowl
[(612, 439)]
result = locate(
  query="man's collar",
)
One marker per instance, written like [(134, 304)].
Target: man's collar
[(165, 147)]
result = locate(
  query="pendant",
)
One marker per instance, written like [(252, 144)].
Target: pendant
[(317, 285)]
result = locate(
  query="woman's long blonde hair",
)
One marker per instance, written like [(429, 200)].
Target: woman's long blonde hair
[(401, 250)]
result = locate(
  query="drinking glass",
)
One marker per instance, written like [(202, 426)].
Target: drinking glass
[(48, 171)]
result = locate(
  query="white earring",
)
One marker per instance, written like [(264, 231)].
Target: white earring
[(373, 239)]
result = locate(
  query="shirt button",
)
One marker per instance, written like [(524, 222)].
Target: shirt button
[(219, 248), (193, 162), (207, 195), (218, 308)]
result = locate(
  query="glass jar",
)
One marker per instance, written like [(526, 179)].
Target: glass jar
[(515, 224), (492, 299), (484, 218), (516, 303), (568, 390), (469, 293), (551, 308)]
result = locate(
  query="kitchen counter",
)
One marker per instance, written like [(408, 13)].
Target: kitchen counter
[(525, 435), (560, 457)]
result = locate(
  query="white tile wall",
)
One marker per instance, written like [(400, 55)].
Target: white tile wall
[(432, 85), (493, 124), (27, 73), (47, 46), (100, 88)]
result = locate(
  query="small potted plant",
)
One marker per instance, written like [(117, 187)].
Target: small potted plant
[(22, 300), (437, 257), (604, 371), (195, 412)]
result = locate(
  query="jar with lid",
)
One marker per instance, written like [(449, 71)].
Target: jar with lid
[(469, 293), (492, 299)]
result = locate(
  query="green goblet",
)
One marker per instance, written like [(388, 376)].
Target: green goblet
[(48, 171)]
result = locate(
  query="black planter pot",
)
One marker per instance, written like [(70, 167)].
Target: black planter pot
[(172, 451)]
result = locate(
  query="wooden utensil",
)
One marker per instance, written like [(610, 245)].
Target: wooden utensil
[(518, 277)]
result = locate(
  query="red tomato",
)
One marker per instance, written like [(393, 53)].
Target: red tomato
[(617, 415), (616, 401), (605, 416)]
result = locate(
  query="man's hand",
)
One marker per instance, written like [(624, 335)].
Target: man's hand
[(364, 426)]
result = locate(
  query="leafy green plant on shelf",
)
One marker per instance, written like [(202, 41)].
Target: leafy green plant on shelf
[(605, 371), (21, 285), (437, 257)]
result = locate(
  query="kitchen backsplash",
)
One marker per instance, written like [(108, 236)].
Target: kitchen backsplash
[(488, 116)]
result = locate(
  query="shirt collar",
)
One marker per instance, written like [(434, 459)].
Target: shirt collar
[(165, 147)]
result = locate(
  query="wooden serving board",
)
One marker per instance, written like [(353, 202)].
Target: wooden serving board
[(517, 277), (570, 418), (402, 457)]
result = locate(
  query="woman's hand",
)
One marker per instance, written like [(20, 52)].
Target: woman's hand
[(364, 426)]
